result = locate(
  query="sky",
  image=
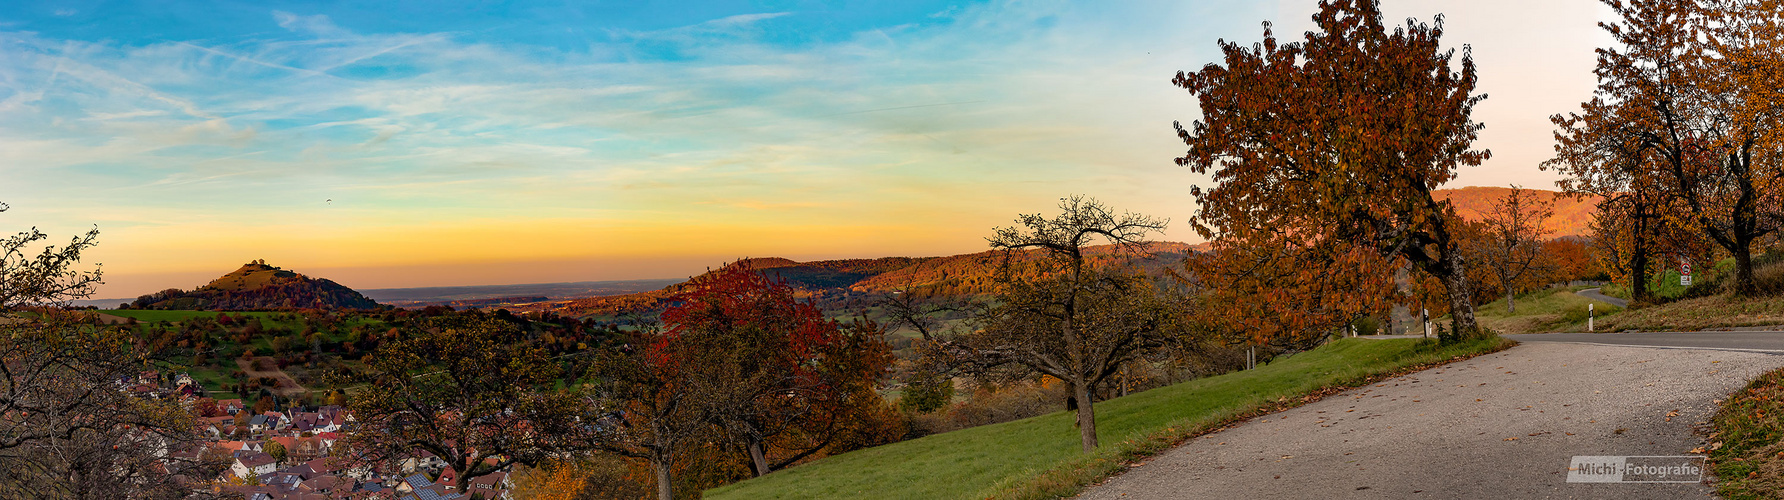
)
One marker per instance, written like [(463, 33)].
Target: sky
[(454, 142)]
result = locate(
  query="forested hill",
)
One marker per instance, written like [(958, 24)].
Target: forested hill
[(831, 280), (1571, 213), (257, 285)]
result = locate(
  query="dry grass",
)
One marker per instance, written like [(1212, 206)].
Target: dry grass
[(1719, 311), (1551, 310), (1747, 448)]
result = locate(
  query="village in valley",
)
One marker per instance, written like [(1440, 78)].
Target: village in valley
[(279, 455)]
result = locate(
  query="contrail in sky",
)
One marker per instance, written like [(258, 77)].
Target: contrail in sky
[(900, 107)]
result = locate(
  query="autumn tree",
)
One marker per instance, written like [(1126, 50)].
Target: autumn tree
[(1337, 141), (1509, 242), (473, 391), (1263, 289), (600, 476), (653, 408), (1573, 258), (740, 357), (207, 407), (1063, 316), (777, 364), (277, 450), (1685, 115)]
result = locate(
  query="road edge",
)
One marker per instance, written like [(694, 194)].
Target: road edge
[(1072, 478)]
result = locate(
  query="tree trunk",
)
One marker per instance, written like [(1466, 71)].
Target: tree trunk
[(1638, 268), (1743, 273), (665, 490), (1638, 258), (1086, 415), (758, 457), (1511, 307), (1455, 285)]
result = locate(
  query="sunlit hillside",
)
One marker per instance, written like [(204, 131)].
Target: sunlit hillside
[(955, 275), (1571, 213)]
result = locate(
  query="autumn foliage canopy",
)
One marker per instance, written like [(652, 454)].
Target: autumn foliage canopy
[(1328, 145)]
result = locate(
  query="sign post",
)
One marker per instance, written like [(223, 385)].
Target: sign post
[(1684, 273)]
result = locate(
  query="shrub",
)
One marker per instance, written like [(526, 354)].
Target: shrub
[(1367, 325), (926, 393), (992, 405)]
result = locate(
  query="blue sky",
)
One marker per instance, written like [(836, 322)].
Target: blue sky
[(439, 143)]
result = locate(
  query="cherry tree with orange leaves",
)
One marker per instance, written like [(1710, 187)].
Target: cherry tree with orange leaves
[(1334, 143)]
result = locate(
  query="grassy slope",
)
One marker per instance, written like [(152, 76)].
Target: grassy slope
[(1038, 457), (1748, 458), (1720, 311), (1548, 310), (215, 378)]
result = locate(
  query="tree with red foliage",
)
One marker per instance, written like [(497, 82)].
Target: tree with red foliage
[(778, 360), (740, 356)]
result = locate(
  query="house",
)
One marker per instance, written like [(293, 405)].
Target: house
[(236, 446), (219, 426), (260, 423), (328, 485), (372, 490), (230, 406), (307, 448), (275, 420), (449, 478), (253, 464), (285, 482), (435, 492), (492, 486), (413, 482), (422, 460)]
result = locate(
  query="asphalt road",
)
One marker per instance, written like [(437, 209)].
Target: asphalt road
[(1504, 425), (1772, 342), (1592, 293)]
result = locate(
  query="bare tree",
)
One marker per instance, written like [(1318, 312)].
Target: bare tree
[(47, 277), (1065, 316), (1510, 240), (68, 428)]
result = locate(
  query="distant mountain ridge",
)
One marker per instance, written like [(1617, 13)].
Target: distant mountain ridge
[(257, 285), (842, 279), (484, 295), (1572, 213)]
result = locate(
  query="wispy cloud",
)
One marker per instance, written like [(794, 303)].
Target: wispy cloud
[(945, 127)]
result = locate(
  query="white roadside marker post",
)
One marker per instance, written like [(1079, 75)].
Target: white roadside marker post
[(1591, 313)]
